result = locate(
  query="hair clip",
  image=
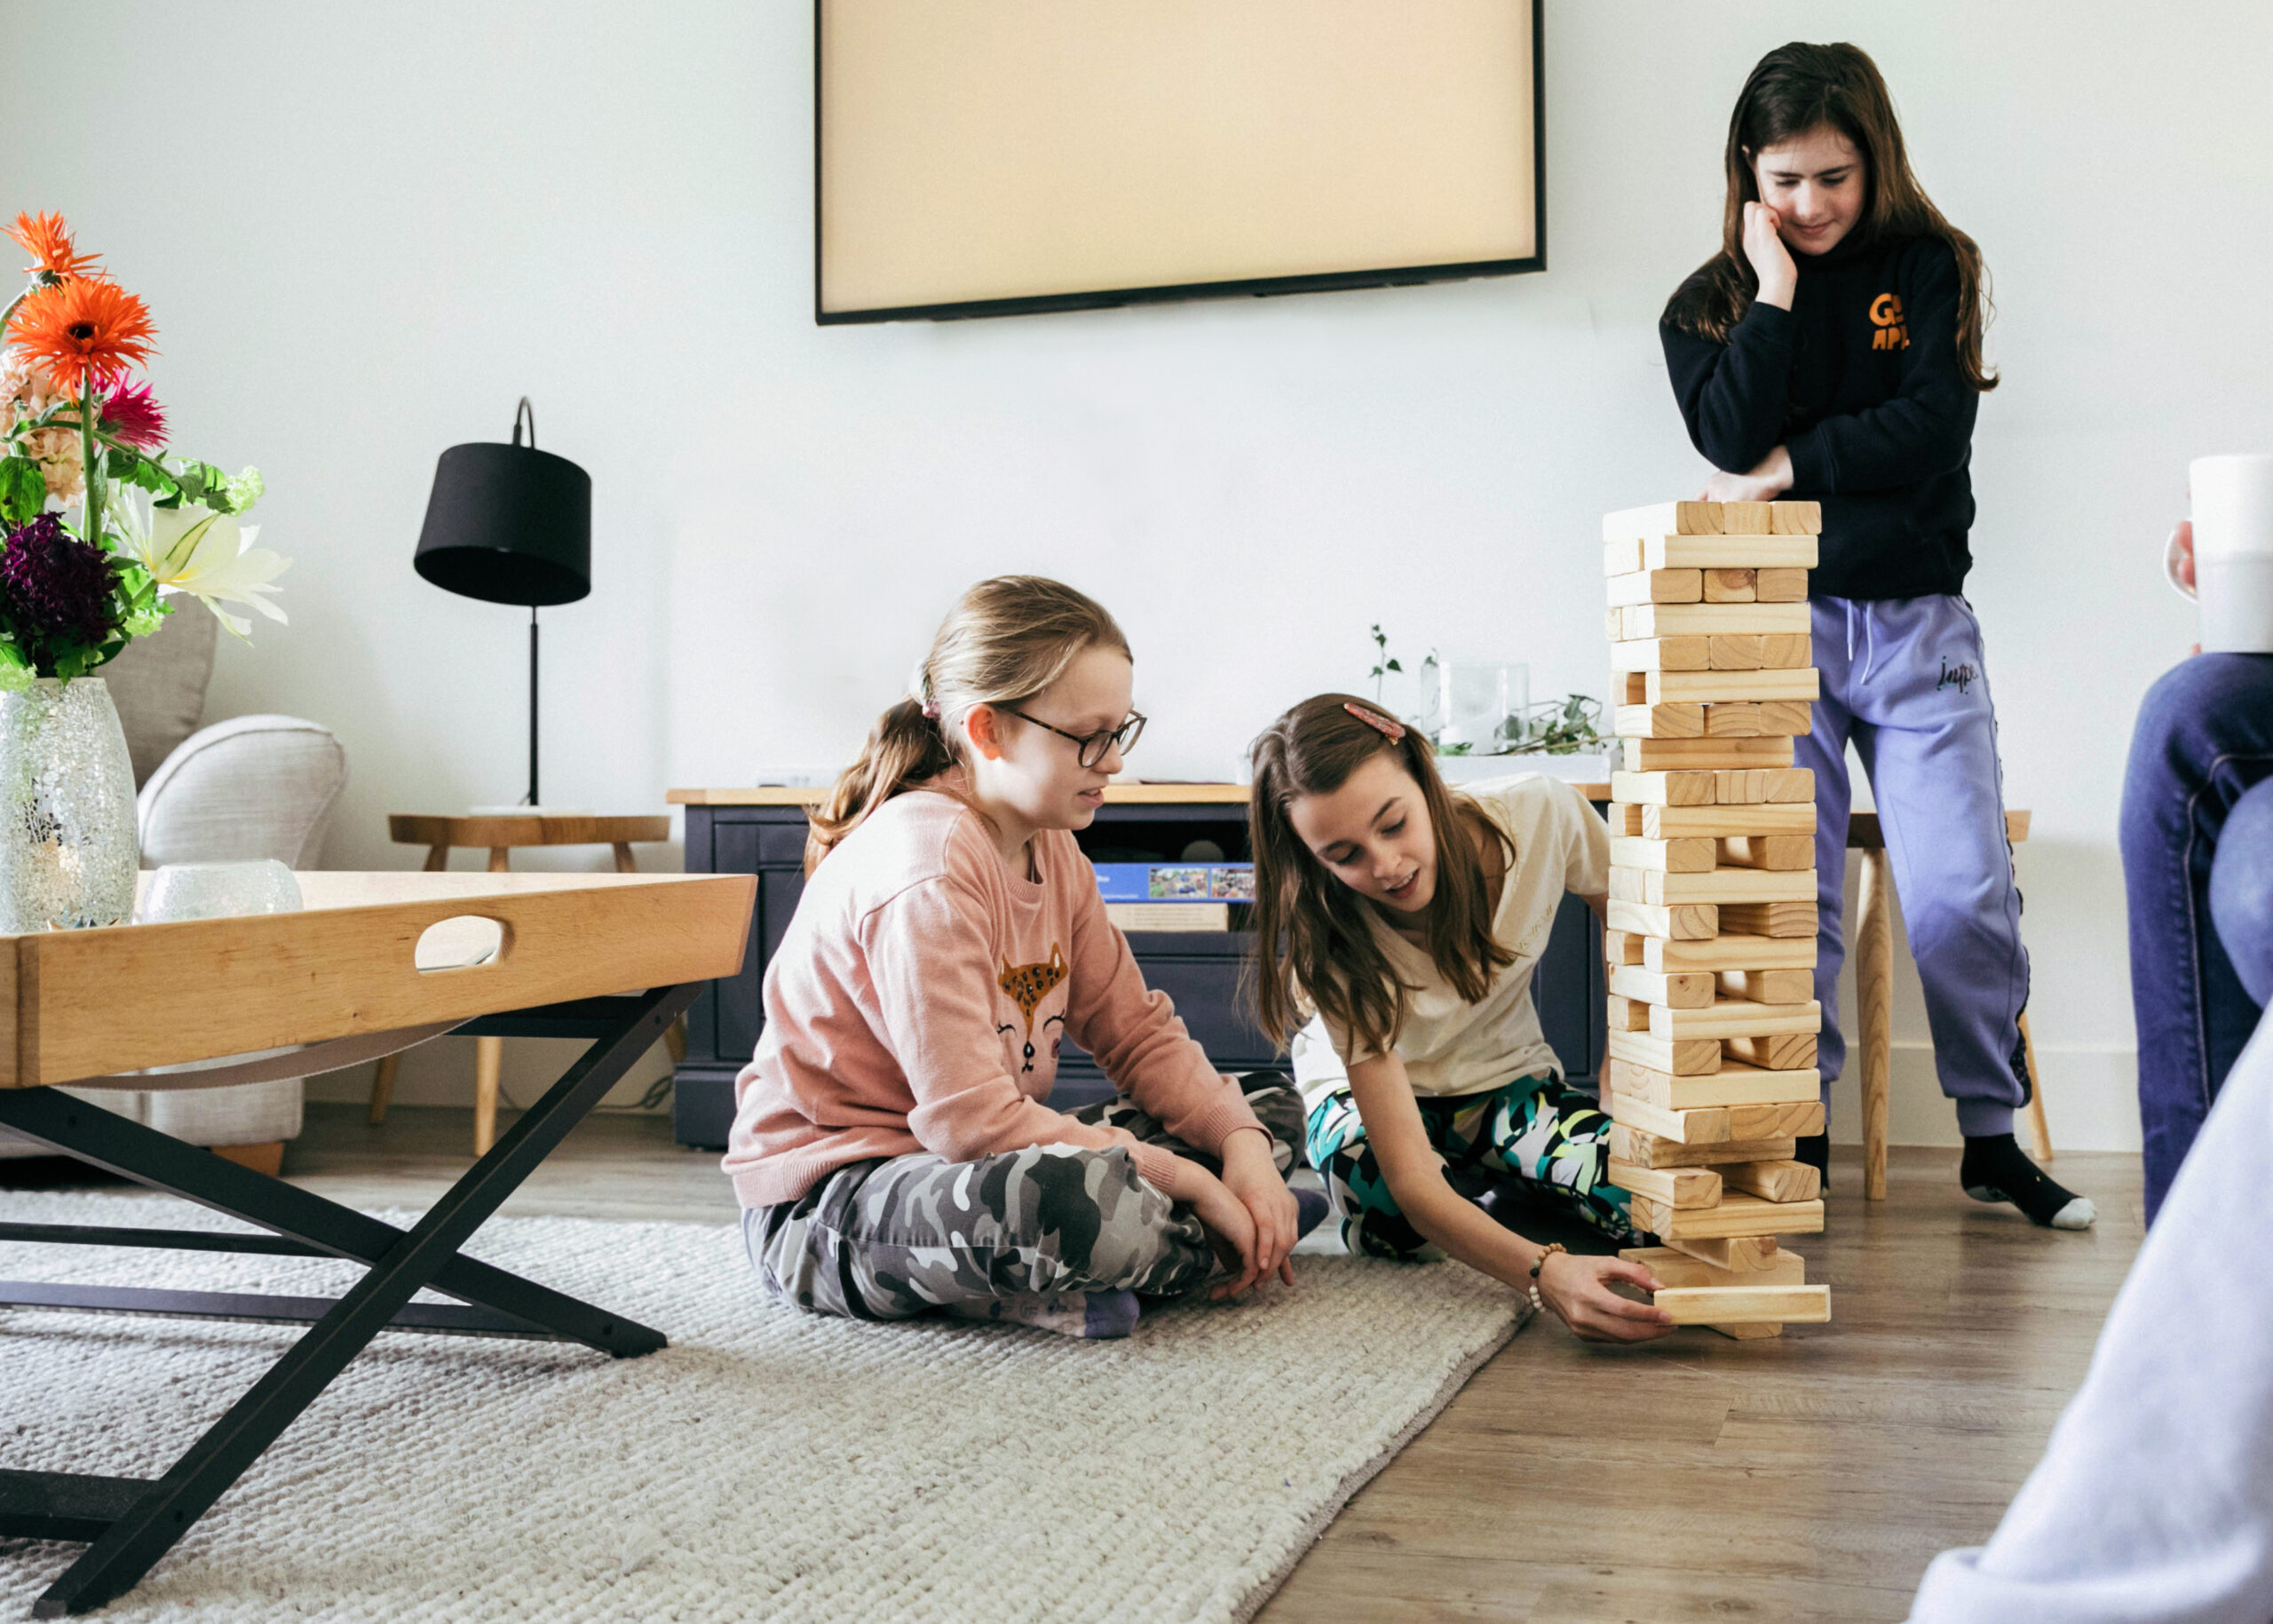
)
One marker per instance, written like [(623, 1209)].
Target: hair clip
[(1391, 731)]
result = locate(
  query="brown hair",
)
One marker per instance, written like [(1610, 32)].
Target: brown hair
[(1315, 934), (1799, 88), (1005, 641)]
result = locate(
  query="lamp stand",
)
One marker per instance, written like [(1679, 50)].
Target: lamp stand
[(532, 801)]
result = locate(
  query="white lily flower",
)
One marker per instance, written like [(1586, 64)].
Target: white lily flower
[(208, 555)]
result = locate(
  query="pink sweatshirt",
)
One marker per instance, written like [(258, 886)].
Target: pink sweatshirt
[(917, 1003)]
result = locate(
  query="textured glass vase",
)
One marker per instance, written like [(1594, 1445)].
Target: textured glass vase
[(68, 857)]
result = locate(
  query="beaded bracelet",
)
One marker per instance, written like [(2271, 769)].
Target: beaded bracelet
[(1545, 1251)]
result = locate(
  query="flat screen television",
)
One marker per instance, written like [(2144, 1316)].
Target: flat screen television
[(992, 157)]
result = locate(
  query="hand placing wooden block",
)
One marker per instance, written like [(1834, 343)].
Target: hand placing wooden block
[(1680, 1188), (1782, 987), (1730, 1305), (1782, 1052), (1777, 1180)]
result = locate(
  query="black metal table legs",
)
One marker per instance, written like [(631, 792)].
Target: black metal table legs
[(130, 1521)]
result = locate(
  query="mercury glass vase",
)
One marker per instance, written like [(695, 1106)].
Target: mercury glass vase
[(68, 853)]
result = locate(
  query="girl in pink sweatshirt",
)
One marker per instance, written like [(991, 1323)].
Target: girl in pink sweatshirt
[(893, 1145)]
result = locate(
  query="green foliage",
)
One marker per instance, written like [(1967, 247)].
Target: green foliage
[(1555, 727), (23, 491)]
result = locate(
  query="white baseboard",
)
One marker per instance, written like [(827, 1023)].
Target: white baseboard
[(441, 1074), (2091, 1099)]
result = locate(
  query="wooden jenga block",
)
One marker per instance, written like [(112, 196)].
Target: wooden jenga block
[(1628, 1014), (1771, 919), (1681, 1056), (1667, 856), (1770, 987), (1738, 1304), (1679, 1188), (1774, 1179), (1726, 653), (1714, 687), (1695, 755), (1622, 947), (1786, 786), (1730, 552), (1778, 586), (1738, 720), (1687, 922), (1795, 1119), (1735, 1083), (1675, 1269), (1720, 885), (1662, 518), (1707, 1126), (1659, 620), (1783, 717), (1720, 821), (1621, 557), (1747, 1332), (1633, 688), (1784, 651), (1780, 852), (1646, 1150), (1658, 586), (1739, 1255), (1660, 653), (1624, 819), (1613, 623), (1796, 518), (1736, 1216), (1782, 1051), (1658, 721), (1731, 953), (1747, 518), (1674, 788), (1689, 990), (1736, 1018), (1730, 586)]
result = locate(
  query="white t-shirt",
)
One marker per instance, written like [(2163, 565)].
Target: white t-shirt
[(1449, 1046)]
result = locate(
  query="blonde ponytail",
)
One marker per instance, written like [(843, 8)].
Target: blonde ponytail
[(1005, 641)]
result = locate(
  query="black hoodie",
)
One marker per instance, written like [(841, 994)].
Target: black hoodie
[(1860, 380)]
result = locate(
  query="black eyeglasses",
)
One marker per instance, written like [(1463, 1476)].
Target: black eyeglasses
[(1094, 746)]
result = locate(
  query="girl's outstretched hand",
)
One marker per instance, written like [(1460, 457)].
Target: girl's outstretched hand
[(1230, 1228), (1771, 261), (1250, 1175), (1578, 1290)]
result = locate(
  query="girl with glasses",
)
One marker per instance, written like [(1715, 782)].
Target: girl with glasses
[(893, 1145)]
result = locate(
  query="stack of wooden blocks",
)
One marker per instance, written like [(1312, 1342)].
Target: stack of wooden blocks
[(1711, 944)]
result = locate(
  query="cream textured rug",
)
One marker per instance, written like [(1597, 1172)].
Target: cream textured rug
[(767, 1465)]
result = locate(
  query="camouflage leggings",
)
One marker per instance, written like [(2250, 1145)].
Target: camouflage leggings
[(1538, 1128), (895, 1238)]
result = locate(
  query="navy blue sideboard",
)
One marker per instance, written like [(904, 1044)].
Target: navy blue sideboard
[(762, 832)]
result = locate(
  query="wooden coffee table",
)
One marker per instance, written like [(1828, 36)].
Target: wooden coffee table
[(612, 959)]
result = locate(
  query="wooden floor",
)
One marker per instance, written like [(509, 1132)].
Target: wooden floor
[(1811, 1477)]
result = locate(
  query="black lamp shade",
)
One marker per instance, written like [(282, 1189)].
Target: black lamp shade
[(508, 525)]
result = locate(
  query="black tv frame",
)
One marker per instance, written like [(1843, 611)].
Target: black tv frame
[(1261, 286)]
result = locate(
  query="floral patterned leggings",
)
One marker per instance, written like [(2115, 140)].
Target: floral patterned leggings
[(1540, 1129)]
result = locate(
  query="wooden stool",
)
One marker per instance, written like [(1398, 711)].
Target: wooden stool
[(501, 833), (1873, 947)]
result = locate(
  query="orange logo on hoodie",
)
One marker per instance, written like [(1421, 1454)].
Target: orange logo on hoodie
[(1886, 315)]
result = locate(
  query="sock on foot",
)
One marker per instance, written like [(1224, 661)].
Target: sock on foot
[(1311, 1208), (1997, 1169), (1093, 1315)]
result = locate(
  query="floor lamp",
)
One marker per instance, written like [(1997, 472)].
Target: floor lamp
[(509, 525)]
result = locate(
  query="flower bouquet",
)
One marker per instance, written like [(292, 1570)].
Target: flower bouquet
[(100, 526)]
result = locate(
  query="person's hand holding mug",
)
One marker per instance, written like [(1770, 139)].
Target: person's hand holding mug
[(2178, 562)]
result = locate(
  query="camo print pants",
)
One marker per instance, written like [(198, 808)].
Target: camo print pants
[(891, 1239), (1538, 1128)]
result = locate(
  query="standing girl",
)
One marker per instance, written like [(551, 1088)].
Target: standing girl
[(892, 1146), (1397, 926), (1831, 351)]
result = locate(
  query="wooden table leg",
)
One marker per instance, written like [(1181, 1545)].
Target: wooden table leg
[(625, 863), (500, 859), (383, 1089), (2038, 1128), (437, 857), (1875, 1022), (488, 1059)]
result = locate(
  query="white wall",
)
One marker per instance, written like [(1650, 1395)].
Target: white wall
[(365, 231)]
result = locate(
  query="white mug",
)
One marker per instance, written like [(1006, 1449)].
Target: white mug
[(2232, 499)]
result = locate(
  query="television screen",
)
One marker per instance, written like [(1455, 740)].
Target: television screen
[(986, 158)]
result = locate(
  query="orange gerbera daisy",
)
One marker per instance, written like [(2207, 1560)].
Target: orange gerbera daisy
[(48, 240), (87, 329)]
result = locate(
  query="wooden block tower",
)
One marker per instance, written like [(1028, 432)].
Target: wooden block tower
[(1710, 1074)]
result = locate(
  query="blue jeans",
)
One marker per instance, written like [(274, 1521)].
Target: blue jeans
[(1907, 681), (2197, 864)]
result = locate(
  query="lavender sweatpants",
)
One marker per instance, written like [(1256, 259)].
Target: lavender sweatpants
[(1905, 680)]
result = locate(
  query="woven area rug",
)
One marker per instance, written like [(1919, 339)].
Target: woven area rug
[(766, 1465)]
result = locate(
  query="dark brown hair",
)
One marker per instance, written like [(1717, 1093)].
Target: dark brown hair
[(1315, 934), (1005, 641), (1799, 88)]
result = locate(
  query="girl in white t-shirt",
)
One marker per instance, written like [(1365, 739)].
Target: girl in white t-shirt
[(1399, 925)]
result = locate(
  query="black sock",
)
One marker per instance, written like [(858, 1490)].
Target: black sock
[(1997, 1169)]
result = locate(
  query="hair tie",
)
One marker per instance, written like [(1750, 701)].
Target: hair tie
[(1391, 731), (932, 710)]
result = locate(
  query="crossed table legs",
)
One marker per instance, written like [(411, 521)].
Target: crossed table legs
[(130, 1522)]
